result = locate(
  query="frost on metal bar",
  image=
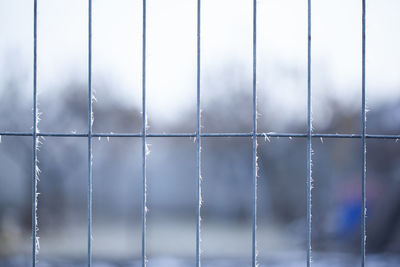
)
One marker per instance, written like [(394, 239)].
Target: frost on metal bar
[(364, 145), (309, 139), (198, 142), (145, 148), (35, 145), (254, 138), (90, 125), (266, 136)]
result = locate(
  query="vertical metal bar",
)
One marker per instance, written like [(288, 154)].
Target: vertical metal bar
[(90, 124), (254, 136), (309, 137), (144, 145), (34, 139), (198, 141), (364, 145)]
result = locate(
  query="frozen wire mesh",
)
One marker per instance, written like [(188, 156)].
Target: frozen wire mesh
[(198, 135)]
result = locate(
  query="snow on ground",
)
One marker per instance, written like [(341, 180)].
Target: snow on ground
[(332, 260)]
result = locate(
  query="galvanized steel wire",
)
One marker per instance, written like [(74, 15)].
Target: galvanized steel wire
[(34, 141), (144, 144), (309, 137), (90, 125), (254, 139), (364, 144), (198, 139)]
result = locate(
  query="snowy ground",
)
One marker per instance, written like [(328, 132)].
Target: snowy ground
[(223, 245), (333, 260)]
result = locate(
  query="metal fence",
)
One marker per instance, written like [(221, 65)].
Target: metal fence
[(198, 135)]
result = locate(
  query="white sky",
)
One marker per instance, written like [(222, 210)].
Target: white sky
[(226, 40)]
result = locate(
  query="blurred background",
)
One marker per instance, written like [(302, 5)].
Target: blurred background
[(226, 68)]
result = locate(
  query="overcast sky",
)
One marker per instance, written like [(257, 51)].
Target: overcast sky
[(226, 42)]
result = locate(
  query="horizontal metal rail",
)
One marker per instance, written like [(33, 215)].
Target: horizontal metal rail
[(265, 135)]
